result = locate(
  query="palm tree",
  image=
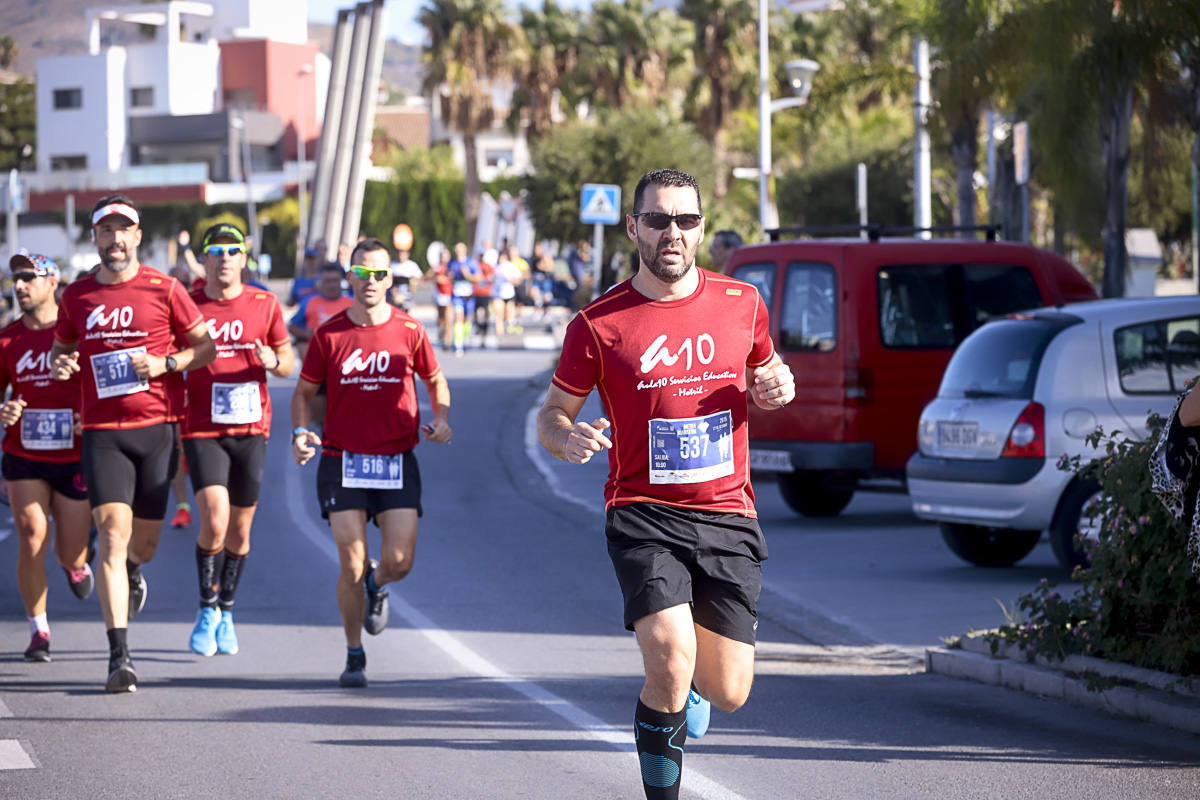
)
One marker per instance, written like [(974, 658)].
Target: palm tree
[(468, 55), (628, 51), (549, 54), (725, 52)]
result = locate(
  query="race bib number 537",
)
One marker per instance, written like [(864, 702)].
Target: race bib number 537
[(691, 450)]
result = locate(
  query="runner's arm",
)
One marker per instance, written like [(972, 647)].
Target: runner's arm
[(439, 398), (64, 360), (772, 386), (304, 444), (564, 437), (200, 354)]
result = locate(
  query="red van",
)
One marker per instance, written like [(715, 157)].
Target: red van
[(868, 326)]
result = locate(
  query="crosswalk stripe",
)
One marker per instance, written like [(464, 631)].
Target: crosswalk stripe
[(13, 756)]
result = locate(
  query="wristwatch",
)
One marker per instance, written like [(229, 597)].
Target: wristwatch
[(172, 365)]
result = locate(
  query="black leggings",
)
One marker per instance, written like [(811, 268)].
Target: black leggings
[(130, 466)]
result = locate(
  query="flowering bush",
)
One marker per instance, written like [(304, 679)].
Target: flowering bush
[(1138, 601)]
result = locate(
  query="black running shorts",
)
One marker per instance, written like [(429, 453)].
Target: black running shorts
[(65, 479), (665, 556), (130, 466), (335, 497), (235, 462)]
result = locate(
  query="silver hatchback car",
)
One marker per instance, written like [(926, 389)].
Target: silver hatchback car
[(1020, 393)]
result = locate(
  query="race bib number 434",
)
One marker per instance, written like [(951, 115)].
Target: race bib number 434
[(691, 450), (47, 429), (114, 375)]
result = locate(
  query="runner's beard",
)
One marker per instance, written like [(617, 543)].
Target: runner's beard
[(112, 264), (664, 272)]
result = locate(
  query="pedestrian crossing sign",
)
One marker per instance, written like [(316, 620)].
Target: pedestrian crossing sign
[(600, 203)]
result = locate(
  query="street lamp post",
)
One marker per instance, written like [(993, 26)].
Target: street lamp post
[(800, 76), (302, 182)]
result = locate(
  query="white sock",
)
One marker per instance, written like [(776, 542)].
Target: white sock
[(39, 623)]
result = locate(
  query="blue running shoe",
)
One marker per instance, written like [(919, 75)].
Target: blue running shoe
[(698, 712), (226, 635), (204, 635)]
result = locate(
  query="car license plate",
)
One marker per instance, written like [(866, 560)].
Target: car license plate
[(770, 460), (958, 435)]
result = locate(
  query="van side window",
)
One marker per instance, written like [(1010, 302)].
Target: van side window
[(808, 319), (1158, 357), (761, 277), (994, 290), (938, 305), (915, 304)]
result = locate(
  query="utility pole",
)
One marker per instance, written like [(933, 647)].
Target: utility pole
[(327, 148), (922, 194)]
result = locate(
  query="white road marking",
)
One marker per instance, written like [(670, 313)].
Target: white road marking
[(5, 712), (13, 756), (5, 533), (619, 738), (542, 461)]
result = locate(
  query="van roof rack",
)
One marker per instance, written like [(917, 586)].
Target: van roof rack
[(875, 231)]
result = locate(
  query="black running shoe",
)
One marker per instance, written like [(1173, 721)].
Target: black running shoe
[(137, 592), (80, 580), (121, 677), (354, 676), (39, 647), (378, 608)]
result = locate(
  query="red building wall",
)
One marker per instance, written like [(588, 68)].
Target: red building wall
[(270, 72)]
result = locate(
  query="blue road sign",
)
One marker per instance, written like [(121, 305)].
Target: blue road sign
[(600, 203)]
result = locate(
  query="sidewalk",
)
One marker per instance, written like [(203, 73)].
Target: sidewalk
[(1133, 692)]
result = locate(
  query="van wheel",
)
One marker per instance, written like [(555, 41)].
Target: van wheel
[(815, 494), (988, 547), (1070, 521)]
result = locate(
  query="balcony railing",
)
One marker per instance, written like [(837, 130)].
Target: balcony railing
[(74, 180)]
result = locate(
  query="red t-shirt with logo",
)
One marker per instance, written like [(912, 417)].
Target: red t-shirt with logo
[(234, 326), (370, 389), (672, 377), (25, 365), (150, 310)]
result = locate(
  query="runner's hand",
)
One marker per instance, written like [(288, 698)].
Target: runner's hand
[(774, 387), (585, 440), (439, 432), (146, 366), (265, 355), (65, 365), (10, 412), (304, 447)]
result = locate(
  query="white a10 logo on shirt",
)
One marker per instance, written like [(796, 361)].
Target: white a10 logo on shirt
[(120, 315), (228, 331), (658, 353), (375, 362), (31, 363)]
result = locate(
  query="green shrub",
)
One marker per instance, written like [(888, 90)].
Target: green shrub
[(1138, 602)]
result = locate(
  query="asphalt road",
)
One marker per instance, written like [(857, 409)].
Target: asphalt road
[(505, 672)]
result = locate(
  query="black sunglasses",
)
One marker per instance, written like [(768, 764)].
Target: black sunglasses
[(659, 221), (25, 277)]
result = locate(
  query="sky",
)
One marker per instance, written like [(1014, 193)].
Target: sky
[(401, 15)]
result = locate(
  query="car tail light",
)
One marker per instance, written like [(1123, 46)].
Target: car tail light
[(860, 387), (1027, 439)]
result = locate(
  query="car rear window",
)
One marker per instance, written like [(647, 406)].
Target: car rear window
[(1158, 357), (938, 305), (808, 319), (1001, 359)]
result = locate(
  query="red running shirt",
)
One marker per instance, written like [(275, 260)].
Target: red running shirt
[(672, 377), (25, 365), (318, 310), (370, 389), (234, 325), (150, 310)]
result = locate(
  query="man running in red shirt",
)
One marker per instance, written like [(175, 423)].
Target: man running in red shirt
[(41, 449), (226, 428), (117, 327), (367, 357), (319, 308), (674, 351)]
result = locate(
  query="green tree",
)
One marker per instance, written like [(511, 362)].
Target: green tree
[(546, 59), (424, 164), (468, 54), (627, 52), (9, 50), (725, 50), (18, 125), (618, 147)]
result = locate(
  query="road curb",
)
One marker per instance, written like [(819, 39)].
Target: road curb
[(1145, 695)]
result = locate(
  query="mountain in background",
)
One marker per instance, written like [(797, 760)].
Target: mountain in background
[(43, 28)]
